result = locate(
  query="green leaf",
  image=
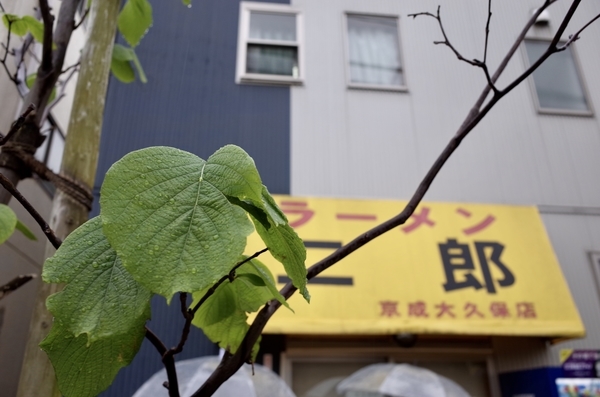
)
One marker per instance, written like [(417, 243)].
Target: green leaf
[(120, 64), (25, 230), (187, 2), (272, 209), (225, 324), (264, 272), (230, 330), (84, 368), (35, 27), (252, 279), (171, 227), (122, 70), (233, 171), (222, 307), (8, 222), (16, 24), (30, 81), (134, 20), (101, 298), (285, 246), (122, 53)]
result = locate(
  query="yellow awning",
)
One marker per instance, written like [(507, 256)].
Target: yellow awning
[(453, 268)]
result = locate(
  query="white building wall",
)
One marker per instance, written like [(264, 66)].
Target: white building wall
[(379, 144), (18, 255)]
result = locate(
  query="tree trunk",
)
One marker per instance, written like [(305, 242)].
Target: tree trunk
[(80, 159)]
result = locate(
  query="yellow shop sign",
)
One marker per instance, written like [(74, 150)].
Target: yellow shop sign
[(453, 268)]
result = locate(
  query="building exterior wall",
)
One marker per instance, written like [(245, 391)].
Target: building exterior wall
[(379, 144), (322, 138)]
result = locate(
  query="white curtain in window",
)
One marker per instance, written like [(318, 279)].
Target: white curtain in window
[(374, 50)]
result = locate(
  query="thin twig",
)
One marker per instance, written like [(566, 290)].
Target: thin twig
[(446, 42), (75, 65), (5, 56), (85, 14), (62, 93), (487, 31), (575, 36), (16, 125), (226, 277), (228, 366), (15, 284), (7, 184)]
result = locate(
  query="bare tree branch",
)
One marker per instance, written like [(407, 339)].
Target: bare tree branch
[(55, 241), (230, 364)]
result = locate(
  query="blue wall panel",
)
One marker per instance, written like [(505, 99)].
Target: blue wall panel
[(191, 102)]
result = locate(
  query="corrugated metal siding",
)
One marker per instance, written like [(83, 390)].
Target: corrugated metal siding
[(191, 100), (356, 143), (573, 238)]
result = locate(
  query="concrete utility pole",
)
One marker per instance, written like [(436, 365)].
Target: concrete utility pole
[(80, 159)]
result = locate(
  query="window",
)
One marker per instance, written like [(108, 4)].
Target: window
[(269, 44), (595, 258), (557, 82), (373, 52)]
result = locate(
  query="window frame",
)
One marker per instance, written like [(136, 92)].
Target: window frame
[(365, 86), (595, 262), (241, 76), (582, 82)]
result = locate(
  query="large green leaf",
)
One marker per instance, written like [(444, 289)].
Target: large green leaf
[(285, 246), (8, 222), (85, 368), (172, 228), (134, 20), (101, 298)]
